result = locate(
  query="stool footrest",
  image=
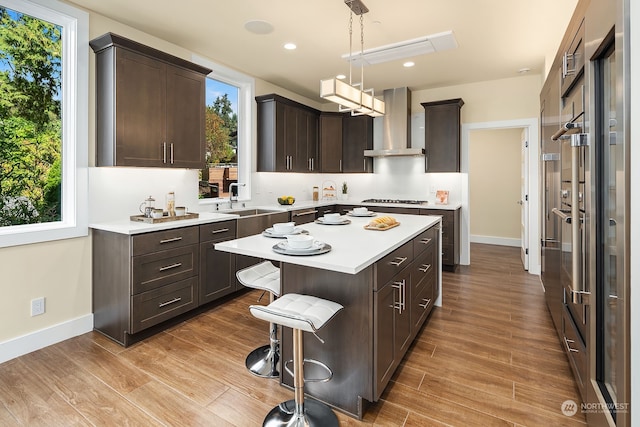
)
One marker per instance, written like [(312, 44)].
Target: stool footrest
[(313, 362)]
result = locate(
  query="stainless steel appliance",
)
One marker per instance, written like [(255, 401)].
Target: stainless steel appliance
[(585, 248)]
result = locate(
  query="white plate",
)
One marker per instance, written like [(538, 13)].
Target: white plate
[(269, 232), (315, 247), (370, 213), (342, 221)]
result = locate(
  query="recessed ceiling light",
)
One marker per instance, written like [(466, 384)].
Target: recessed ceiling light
[(408, 64), (290, 46), (258, 27), (341, 77), (524, 70)]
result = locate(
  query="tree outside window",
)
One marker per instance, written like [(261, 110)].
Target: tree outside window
[(30, 119), (221, 134)]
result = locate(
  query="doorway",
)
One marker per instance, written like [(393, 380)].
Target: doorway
[(532, 207)]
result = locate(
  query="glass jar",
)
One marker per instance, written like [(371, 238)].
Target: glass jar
[(316, 193), (171, 203)]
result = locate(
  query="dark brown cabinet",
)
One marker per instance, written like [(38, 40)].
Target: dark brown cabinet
[(287, 135), (442, 135), (217, 269), (150, 106), (142, 280), (450, 236), (331, 142), (357, 136), (304, 216)]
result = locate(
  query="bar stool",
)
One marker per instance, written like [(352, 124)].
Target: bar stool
[(263, 361), (301, 313)]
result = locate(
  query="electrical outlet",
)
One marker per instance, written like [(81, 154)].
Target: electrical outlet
[(37, 306), (433, 188)]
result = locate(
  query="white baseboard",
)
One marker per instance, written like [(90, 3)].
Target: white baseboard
[(36, 340), (491, 240)]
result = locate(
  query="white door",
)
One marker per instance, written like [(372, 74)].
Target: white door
[(524, 198)]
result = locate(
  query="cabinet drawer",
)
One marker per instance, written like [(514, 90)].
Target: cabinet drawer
[(161, 268), (323, 210), (163, 240), (575, 348), (304, 216), (152, 307), (424, 240), (423, 269), (224, 230), (393, 263), (422, 304)]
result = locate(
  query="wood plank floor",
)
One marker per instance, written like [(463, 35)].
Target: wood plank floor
[(489, 356)]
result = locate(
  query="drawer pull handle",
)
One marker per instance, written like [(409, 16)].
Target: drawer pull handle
[(174, 239), (222, 230), (425, 241), (169, 267), (173, 301), (427, 301), (305, 213), (399, 260), (401, 287), (568, 343), (425, 268)]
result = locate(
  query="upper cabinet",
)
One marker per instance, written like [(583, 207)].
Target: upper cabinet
[(442, 135), (287, 135), (150, 106), (331, 142), (357, 136)]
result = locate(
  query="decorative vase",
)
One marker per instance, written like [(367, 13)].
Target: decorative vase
[(345, 196)]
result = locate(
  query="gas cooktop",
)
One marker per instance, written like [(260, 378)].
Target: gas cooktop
[(398, 201)]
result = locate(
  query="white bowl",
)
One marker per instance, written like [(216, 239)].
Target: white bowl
[(299, 241), (360, 211), (332, 217), (284, 227)]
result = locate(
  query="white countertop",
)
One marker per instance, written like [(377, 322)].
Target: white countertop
[(126, 226), (353, 247), (303, 204)]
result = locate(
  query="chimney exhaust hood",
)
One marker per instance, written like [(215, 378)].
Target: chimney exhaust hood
[(396, 126)]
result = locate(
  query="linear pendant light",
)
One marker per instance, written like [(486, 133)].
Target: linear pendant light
[(349, 96)]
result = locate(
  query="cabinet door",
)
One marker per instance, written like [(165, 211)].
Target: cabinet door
[(185, 118), (304, 216), (383, 337), (331, 143), (442, 135), (291, 136), (140, 110), (217, 274), (357, 136), (313, 149), (402, 313)]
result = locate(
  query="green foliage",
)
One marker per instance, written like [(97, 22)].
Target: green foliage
[(30, 122), (221, 131)]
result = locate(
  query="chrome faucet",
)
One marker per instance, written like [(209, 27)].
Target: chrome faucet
[(231, 196)]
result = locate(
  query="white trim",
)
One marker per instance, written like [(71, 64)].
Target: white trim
[(19, 346), (534, 235), (493, 240), (246, 115), (75, 125)]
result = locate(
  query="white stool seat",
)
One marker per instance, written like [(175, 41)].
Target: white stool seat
[(304, 312), (264, 276)]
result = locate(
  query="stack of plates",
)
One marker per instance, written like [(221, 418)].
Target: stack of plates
[(316, 248), (270, 232)]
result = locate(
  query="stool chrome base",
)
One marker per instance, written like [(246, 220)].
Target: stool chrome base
[(263, 362), (315, 414)]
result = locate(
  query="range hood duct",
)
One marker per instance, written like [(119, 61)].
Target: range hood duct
[(396, 126)]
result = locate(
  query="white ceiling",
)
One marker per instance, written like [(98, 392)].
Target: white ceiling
[(496, 38)]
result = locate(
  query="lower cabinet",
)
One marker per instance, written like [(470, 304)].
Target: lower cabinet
[(142, 280), (217, 269), (450, 236), (403, 302), (304, 216)]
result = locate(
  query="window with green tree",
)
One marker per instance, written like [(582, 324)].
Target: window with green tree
[(43, 121)]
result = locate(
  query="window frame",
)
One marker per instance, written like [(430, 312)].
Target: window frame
[(246, 114), (75, 119)]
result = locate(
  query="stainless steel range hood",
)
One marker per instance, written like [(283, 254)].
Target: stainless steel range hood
[(396, 126)]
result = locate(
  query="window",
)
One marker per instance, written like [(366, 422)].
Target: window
[(229, 112), (43, 111)]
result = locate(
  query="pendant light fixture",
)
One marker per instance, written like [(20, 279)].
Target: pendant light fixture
[(350, 96)]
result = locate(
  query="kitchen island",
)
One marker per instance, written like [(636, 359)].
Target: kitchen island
[(388, 282)]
